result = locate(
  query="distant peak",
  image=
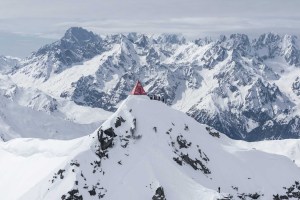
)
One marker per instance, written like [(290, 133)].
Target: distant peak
[(269, 37), (79, 34), (171, 38), (239, 37), (76, 30), (289, 38)]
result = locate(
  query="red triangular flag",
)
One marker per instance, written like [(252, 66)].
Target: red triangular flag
[(138, 89)]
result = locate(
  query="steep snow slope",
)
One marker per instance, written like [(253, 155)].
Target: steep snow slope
[(289, 148), (26, 162), (32, 113), (147, 150), (18, 121)]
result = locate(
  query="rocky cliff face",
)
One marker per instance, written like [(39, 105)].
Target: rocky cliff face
[(76, 46), (248, 89)]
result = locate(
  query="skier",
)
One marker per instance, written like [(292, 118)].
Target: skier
[(219, 189)]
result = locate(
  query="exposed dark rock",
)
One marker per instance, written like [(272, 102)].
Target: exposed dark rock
[(100, 196), (81, 174), (92, 191), (195, 164), (292, 192), (213, 133), (72, 195), (244, 196), (124, 142), (119, 121), (101, 153), (186, 127), (178, 160), (125, 145), (86, 93), (159, 194), (182, 142), (74, 163), (110, 132), (235, 188), (228, 197), (106, 138), (203, 156), (60, 173)]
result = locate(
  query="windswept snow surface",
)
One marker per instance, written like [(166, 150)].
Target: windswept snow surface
[(152, 145), (21, 121), (32, 113), (25, 163)]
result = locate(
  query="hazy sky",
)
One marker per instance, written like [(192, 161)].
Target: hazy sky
[(25, 25)]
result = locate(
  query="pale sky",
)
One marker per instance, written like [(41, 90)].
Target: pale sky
[(25, 25)]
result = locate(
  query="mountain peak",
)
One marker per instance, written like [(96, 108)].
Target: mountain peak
[(75, 46), (146, 145), (79, 34), (171, 38), (240, 42)]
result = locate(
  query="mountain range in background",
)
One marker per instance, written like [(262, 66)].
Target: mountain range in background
[(247, 89)]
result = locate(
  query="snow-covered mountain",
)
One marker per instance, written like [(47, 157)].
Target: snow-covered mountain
[(147, 150), (76, 46), (8, 64), (65, 120), (32, 113), (248, 89)]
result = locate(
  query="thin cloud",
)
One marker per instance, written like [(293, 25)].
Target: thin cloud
[(193, 18)]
